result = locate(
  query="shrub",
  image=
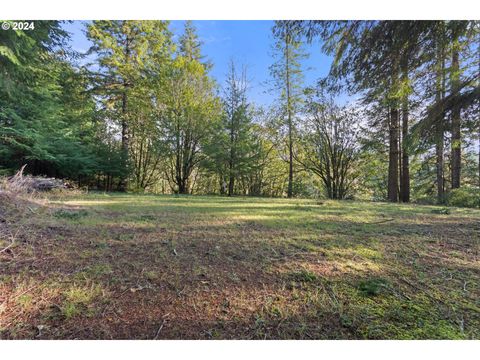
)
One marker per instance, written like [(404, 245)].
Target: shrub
[(464, 197)]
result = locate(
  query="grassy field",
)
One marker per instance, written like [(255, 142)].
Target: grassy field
[(143, 267)]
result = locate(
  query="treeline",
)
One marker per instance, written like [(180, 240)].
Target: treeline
[(419, 83), (145, 114)]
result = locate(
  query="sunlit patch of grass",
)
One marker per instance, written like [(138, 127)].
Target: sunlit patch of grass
[(394, 318), (79, 300), (77, 294), (368, 253), (94, 272), (25, 301), (273, 268)]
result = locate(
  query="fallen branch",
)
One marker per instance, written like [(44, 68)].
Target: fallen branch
[(12, 241), (8, 247), (159, 329)]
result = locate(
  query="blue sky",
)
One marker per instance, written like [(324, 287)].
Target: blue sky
[(246, 42)]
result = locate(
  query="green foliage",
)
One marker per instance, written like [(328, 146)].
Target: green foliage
[(233, 153), (329, 146), (132, 56), (146, 115), (464, 197), (37, 126), (287, 75), (187, 114)]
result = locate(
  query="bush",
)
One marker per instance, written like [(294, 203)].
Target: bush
[(464, 197)]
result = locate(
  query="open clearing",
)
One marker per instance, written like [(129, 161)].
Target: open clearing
[(189, 267)]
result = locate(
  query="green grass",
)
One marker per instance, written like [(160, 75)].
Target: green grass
[(242, 268)]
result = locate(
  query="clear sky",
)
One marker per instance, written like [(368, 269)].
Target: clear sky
[(246, 42)]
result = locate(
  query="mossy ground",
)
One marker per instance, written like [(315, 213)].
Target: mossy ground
[(108, 266)]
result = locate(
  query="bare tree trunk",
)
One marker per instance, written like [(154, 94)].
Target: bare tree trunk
[(439, 149), (440, 130), (405, 181), (405, 172), (183, 186), (478, 112), (400, 158), (393, 156), (456, 147)]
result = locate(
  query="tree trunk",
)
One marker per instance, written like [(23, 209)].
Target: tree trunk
[(223, 185), (456, 121), (393, 156), (440, 130), (290, 167), (400, 152), (231, 183), (123, 186), (478, 111), (405, 181), (289, 115), (231, 176), (439, 149), (183, 186), (125, 144), (405, 172)]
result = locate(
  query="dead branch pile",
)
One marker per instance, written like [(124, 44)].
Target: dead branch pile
[(17, 205), (20, 183), (14, 211)]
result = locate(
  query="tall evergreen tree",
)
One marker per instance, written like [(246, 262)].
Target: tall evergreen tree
[(35, 127), (187, 114), (456, 123), (378, 60), (288, 78), (234, 148), (125, 50), (440, 120)]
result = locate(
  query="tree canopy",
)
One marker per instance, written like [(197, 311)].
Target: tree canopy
[(142, 112)]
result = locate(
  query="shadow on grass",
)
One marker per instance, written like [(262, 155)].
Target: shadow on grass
[(209, 271)]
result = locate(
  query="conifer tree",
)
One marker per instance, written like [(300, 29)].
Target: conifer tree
[(126, 50), (288, 78)]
